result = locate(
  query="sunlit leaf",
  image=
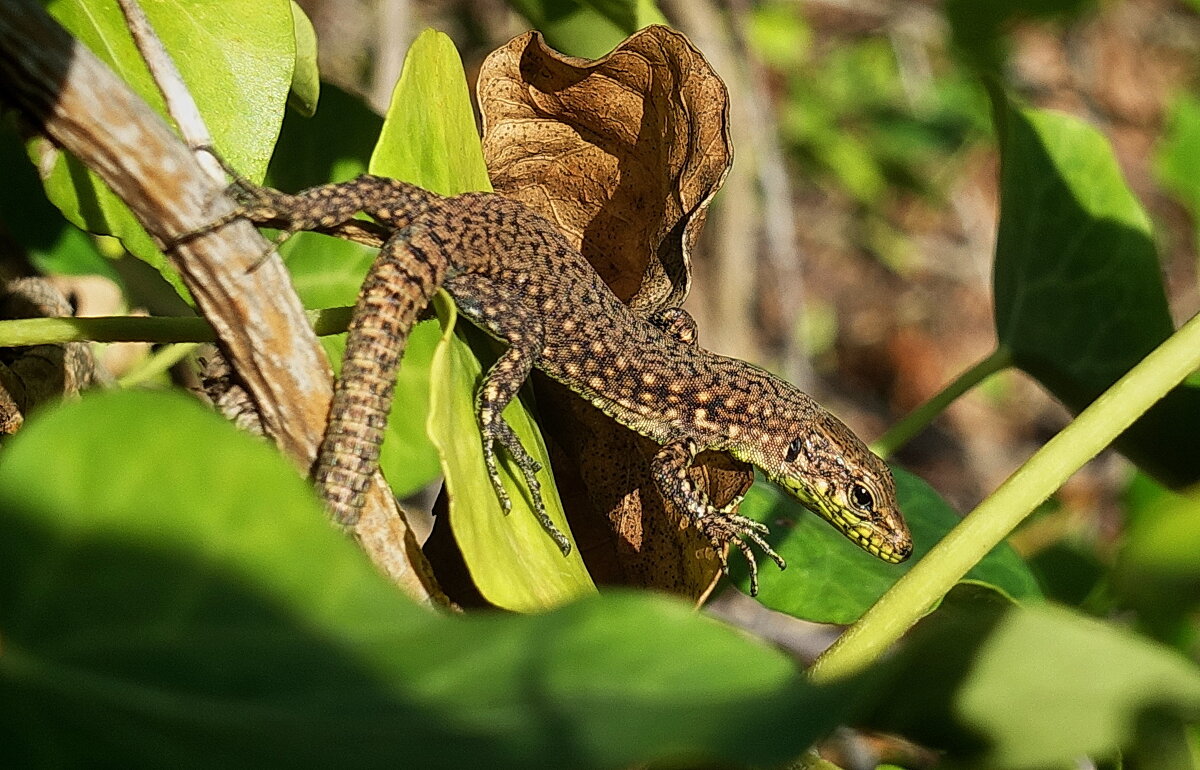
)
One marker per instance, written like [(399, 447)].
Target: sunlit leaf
[(1033, 686), (1078, 291), (512, 560), (236, 57), (429, 136)]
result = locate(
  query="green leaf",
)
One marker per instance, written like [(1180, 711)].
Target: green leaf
[(1033, 686), (172, 594), (1078, 293), (512, 560), (236, 56), (429, 139), (429, 136), (306, 78), (831, 580)]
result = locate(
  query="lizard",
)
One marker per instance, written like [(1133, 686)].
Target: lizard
[(511, 272)]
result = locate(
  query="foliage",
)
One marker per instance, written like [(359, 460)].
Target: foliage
[(827, 581), (171, 592), (1075, 260)]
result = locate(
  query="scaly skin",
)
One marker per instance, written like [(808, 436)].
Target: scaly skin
[(512, 273)]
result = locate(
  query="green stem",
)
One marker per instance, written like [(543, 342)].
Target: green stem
[(50, 331), (156, 364), (903, 432), (931, 578)]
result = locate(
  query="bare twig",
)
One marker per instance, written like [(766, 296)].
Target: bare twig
[(180, 104), (71, 97)]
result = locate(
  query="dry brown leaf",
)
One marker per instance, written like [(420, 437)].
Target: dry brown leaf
[(626, 533), (624, 154)]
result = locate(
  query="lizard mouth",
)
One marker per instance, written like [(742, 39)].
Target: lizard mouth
[(890, 547)]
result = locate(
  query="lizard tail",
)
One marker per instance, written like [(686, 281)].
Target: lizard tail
[(407, 272)]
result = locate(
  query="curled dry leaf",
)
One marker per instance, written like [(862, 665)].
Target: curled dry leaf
[(624, 154)]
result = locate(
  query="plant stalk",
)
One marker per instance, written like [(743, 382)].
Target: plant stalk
[(964, 546), (916, 421), (52, 331)]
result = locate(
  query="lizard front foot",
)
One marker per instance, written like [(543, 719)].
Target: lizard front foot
[(722, 528), (720, 525)]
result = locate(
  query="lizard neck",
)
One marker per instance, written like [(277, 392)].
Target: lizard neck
[(668, 390)]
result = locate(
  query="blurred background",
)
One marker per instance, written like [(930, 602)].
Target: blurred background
[(850, 249)]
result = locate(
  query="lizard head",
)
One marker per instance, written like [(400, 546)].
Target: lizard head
[(833, 473)]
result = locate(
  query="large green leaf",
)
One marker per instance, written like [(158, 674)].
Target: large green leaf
[(1033, 686), (429, 136), (236, 57), (829, 579), (429, 139), (173, 595), (1079, 297)]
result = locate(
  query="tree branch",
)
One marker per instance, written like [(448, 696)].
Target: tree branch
[(72, 98)]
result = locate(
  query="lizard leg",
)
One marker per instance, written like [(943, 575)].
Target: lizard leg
[(388, 200), (477, 300), (719, 525)]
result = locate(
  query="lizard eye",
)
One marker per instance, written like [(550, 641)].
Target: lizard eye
[(793, 450), (860, 497)]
